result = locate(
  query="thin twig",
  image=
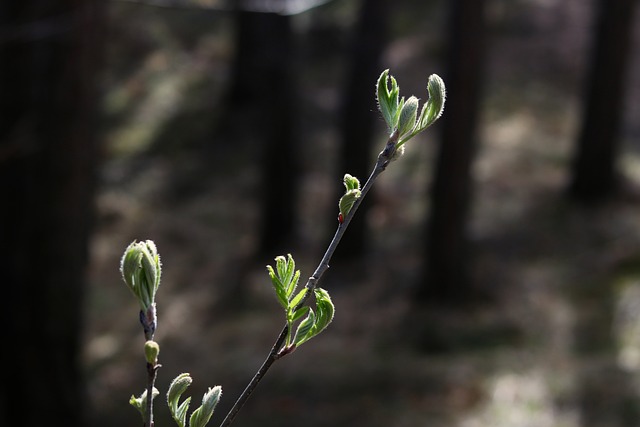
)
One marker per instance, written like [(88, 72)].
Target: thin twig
[(152, 373), (381, 164), (149, 322)]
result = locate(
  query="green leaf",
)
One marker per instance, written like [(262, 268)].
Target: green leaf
[(279, 287), (325, 308), (299, 313), (136, 402), (396, 116), (140, 403), (281, 268), (201, 416), (293, 284), (351, 182), (304, 327), (435, 104), (319, 321), (285, 278), (298, 298), (347, 201), (388, 99), (177, 387), (180, 416), (408, 114)]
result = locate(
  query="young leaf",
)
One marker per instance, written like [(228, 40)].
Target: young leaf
[(351, 182), (299, 297), (408, 114), (325, 308), (284, 278), (434, 106), (299, 313), (388, 99), (202, 415), (291, 287), (321, 319), (137, 403), (177, 387), (304, 327), (289, 267), (281, 268), (180, 416), (279, 287), (347, 201), (140, 403)]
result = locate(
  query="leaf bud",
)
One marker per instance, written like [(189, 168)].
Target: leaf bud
[(151, 351), (141, 270)]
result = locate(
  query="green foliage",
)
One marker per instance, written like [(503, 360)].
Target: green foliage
[(284, 278), (400, 115), (141, 268)]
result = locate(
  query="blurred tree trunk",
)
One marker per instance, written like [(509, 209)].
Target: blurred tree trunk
[(447, 264), (357, 117), (593, 173), (263, 83), (48, 54)]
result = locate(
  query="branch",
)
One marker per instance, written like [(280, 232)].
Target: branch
[(384, 158), (152, 373)]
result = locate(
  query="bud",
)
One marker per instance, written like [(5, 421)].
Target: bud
[(151, 351), (141, 270), (352, 193)]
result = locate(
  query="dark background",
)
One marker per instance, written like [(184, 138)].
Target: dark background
[(491, 278)]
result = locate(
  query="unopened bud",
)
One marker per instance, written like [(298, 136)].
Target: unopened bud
[(151, 351)]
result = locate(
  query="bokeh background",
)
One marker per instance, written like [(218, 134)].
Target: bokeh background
[(492, 278)]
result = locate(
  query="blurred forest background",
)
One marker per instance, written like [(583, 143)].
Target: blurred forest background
[(492, 278)]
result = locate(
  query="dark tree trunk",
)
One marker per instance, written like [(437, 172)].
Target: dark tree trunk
[(263, 90), (447, 267), (48, 55), (594, 172), (358, 113)]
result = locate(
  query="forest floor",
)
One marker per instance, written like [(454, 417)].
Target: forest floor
[(557, 345)]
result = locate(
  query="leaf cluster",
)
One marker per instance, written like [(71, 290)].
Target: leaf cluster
[(284, 278), (201, 416), (401, 115)]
